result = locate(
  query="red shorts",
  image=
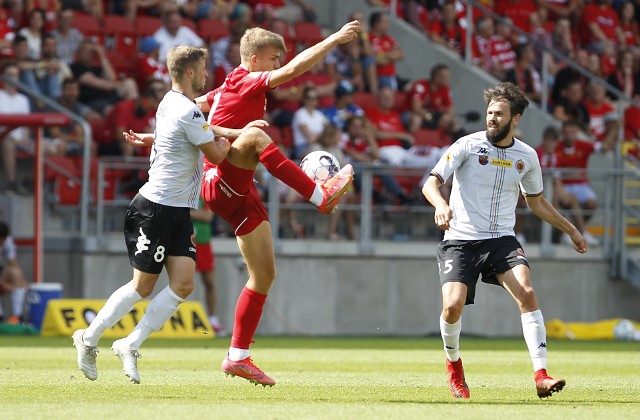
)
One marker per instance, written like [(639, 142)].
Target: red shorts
[(205, 260), (231, 194)]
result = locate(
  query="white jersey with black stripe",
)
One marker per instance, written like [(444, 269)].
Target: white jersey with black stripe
[(486, 184), (175, 175)]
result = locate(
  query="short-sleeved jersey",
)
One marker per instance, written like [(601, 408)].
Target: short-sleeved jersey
[(486, 184), (175, 175), (438, 99), (383, 44), (577, 157), (8, 251)]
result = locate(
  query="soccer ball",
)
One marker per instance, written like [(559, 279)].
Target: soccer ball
[(320, 165)]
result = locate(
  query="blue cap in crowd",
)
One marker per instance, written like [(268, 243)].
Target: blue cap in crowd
[(148, 44)]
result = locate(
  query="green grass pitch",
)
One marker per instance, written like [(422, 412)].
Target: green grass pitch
[(319, 378)]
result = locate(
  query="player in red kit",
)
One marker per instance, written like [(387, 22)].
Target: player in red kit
[(228, 187)]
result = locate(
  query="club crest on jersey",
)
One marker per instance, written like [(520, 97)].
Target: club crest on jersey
[(501, 162), (196, 114), (483, 159), (519, 165)]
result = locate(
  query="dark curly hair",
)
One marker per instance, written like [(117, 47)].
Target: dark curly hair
[(507, 92)]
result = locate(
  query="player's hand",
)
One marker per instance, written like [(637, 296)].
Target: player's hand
[(137, 139), (347, 32), (443, 216), (257, 124), (579, 243)]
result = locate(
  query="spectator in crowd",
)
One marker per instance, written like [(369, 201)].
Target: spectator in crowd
[(524, 74), (71, 137), (220, 48), (385, 49), (571, 106), (562, 9), (50, 9), (329, 141), (447, 30), (137, 115), (562, 39), (393, 140), (12, 102), (360, 147), (601, 26), (99, 87), (308, 123), (34, 33), (12, 280), (626, 78), (561, 198), (632, 122), (367, 61), (6, 32), (343, 63), (91, 7), (431, 103), (501, 53), (344, 107), (481, 43), (67, 37), (569, 74), (205, 262), (602, 113), (541, 35), (150, 68), (629, 25), (233, 58), (267, 10), (173, 33), (574, 154), (516, 12)]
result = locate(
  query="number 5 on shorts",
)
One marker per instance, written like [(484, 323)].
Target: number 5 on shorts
[(447, 266)]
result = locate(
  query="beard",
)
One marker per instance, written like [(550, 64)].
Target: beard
[(197, 86), (500, 133)]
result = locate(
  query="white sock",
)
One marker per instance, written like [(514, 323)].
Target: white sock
[(118, 305), (535, 335), (451, 337), (236, 354), (161, 308), (17, 300), (317, 196)]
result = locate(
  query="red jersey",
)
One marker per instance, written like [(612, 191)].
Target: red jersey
[(632, 122), (358, 144), (383, 44), (148, 68), (605, 17), (241, 99), (501, 52), (630, 33), (389, 121), (597, 114), (454, 35), (547, 160), (575, 157), (518, 11), (438, 100)]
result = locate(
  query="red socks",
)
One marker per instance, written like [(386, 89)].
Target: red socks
[(248, 313), (286, 171)]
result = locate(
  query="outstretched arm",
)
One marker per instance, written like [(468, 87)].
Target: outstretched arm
[(544, 210), (310, 57), (138, 139)]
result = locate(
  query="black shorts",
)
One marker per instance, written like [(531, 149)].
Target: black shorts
[(464, 261), (153, 231)]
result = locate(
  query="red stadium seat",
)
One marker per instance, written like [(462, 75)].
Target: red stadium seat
[(364, 99), (89, 26), (147, 25), (308, 33), (212, 29), (189, 23), (427, 137), (120, 35), (121, 63)]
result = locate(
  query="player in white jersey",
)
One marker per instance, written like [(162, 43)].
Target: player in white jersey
[(489, 168), (158, 228)]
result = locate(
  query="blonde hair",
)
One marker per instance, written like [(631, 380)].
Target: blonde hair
[(256, 39), (182, 57)]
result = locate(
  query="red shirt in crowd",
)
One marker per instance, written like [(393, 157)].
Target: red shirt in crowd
[(438, 100), (383, 44), (547, 160), (148, 68), (597, 115), (576, 156), (605, 17), (388, 121), (517, 11), (501, 52), (454, 35)]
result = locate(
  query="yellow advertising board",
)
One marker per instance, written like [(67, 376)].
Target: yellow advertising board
[(63, 316)]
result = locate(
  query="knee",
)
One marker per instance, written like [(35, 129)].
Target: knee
[(528, 298), (266, 277), (257, 135), (452, 311), (144, 290), (183, 289)]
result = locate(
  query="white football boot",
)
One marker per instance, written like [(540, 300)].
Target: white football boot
[(129, 359), (86, 356)]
